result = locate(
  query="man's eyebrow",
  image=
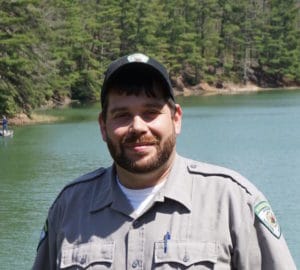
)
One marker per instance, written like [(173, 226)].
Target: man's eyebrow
[(156, 105), (118, 109)]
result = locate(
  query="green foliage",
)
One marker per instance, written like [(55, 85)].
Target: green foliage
[(57, 49), (21, 65)]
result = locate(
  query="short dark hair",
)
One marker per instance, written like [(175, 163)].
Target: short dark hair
[(134, 80)]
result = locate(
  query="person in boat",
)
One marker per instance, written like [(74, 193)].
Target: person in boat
[(4, 124), (152, 208)]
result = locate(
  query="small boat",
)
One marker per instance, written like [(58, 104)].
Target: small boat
[(6, 133)]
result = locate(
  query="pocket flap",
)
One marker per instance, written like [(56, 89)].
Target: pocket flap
[(85, 254), (186, 253)]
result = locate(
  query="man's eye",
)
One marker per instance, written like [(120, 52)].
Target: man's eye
[(151, 113), (121, 115)]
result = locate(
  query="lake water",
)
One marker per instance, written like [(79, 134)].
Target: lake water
[(255, 134)]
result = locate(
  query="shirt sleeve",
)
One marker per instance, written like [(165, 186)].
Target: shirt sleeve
[(275, 254), (46, 252), (260, 244)]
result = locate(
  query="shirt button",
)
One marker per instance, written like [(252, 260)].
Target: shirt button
[(135, 264), (186, 258), (136, 223), (83, 260), (193, 166)]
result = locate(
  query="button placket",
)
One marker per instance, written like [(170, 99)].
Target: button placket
[(136, 246)]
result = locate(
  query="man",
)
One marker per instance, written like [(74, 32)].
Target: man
[(153, 209), (4, 124)]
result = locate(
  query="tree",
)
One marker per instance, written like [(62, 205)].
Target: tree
[(50, 50), (279, 43), (22, 67)]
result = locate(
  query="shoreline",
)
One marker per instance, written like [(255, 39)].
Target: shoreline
[(203, 89), (22, 119)]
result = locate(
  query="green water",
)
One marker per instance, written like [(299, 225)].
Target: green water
[(255, 134)]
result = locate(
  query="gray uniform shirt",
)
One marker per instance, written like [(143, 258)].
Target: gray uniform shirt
[(204, 217)]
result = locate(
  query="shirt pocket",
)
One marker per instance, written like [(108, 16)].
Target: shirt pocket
[(91, 255), (185, 255)]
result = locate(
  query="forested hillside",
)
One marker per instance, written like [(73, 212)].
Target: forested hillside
[(53, 49)]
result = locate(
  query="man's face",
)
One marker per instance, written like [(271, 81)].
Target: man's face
[(140, 131)]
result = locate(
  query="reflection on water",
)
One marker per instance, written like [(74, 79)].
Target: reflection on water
[(256, 134)]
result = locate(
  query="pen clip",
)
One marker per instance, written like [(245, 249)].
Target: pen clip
[(167, 237)]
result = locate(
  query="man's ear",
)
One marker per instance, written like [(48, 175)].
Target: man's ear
[(177, 119), (102, 126)]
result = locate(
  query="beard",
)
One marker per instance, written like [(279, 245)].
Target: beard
[(163, 153)]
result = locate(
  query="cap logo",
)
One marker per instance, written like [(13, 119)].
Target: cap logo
[(138, 57)]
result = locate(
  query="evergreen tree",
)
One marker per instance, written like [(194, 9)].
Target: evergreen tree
[(129, 26), (175, 30), (280, 40), (22, 67), (50, 50)]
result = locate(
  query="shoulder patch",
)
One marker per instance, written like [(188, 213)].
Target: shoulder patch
[(266, 216), (44, 233)]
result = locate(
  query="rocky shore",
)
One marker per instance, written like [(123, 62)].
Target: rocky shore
[(205, 89), (180, 89), (23, 119)]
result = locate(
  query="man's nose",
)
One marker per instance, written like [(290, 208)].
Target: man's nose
[(138, 124)]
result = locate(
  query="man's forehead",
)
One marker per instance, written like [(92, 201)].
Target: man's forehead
[(121, 99), (142, 93)]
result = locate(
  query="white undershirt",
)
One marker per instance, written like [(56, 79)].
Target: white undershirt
[(139, 198)]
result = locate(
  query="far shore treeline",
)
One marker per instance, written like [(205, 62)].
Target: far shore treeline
[(58, 49)]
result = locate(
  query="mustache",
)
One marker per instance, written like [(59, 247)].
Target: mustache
[(144, 139)]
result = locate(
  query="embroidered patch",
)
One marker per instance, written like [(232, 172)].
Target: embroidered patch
[(265, 214), (44, 233)]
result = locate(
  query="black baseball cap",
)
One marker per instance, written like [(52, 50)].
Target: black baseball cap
[(141, 61)]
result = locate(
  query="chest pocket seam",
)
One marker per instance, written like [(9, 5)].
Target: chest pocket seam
[(186, 253), (86, 254)]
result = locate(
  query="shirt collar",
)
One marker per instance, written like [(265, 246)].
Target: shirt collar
[(179, 185), (107, 192), (178, 188)]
